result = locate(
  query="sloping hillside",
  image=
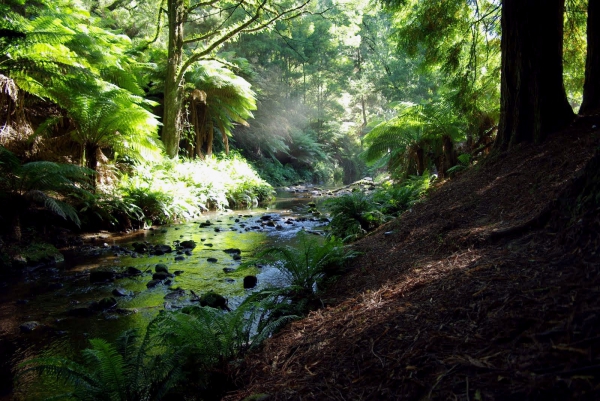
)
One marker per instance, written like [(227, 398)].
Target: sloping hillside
[(488, 290)]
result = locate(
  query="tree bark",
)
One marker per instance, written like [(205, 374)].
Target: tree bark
[(172, 115), (15, 224), (91, 161), (450, 158), (420, 155), (591, 87), (533, 102)]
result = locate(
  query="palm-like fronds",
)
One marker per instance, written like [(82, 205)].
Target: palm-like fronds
[(43, 183), (307, 265), (403, 139), (353, 215), (62, 56), (130, 370), (196, 340), (114, 119), (219, 100)]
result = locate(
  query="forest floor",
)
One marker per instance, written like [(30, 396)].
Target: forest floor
[(487, 290)]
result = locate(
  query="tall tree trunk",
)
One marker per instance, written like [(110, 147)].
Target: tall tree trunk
[(91, 161), (591, 88), (533, 100), (172, 115)]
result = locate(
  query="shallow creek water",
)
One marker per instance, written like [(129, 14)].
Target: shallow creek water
[(49, 296)]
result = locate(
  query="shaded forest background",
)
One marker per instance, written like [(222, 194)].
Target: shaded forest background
[(123, 114), (316, 91)]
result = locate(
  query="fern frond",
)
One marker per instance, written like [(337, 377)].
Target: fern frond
[(109, 366)]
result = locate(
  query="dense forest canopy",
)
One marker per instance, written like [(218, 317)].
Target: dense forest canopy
[(319, 91)]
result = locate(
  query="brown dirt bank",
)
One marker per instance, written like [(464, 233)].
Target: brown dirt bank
[(488, 290)]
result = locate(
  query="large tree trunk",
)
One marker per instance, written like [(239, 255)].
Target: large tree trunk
[(533, 98), (172, 115), (591, 88)]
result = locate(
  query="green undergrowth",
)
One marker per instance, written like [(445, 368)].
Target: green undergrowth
[(356, 214), (279, 174), (178, 190)]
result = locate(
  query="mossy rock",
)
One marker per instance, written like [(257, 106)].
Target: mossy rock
[(161, 268), (42, 253), (214, 300)]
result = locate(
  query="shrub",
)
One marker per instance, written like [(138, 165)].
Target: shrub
[(354, 215), (180, 190), (307, 266), (132, 369)]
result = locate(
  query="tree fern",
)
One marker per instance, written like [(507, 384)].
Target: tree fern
[(219, 100), (307, 265), (129, 370), (62, 53), (403, 140), (43, 183)]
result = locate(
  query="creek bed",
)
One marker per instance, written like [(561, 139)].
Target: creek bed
[(59, 299)]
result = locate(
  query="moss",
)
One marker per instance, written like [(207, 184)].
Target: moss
[(40, 252)]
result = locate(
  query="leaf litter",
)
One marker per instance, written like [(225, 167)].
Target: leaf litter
[(487, 290)]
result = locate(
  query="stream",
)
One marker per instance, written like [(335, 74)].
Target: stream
[(55, 301)]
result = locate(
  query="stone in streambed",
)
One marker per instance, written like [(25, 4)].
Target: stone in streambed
[(214, 300), (121, 292), (162, 249), (250, 282), (101, 276), (161, 276), (133, 271), (161, 268), (107, 303), (140, 247), (104, 304), (233, 251), (153, 283), (188, 244), (28, 327)]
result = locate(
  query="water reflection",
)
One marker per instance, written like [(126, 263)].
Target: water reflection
[(52, 297)]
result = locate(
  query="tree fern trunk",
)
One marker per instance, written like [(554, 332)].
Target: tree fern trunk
[(91, 160), (450, 158), (224, 137), (16, 233), (210, 139), (420, 154), (200, 129)]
